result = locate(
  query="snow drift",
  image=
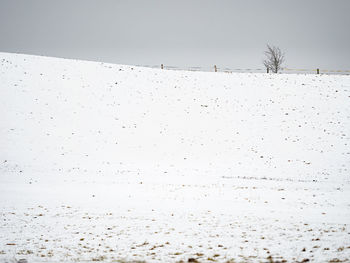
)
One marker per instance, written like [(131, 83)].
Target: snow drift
[(171, 165)]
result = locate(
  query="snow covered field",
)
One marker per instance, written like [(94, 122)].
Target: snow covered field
[(103, 162)]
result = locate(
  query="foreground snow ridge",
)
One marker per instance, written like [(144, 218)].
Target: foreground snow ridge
[(104, 162)]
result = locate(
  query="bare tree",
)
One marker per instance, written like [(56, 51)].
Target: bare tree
[(274, 58)]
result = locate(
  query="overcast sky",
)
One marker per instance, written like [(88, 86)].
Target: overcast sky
[(232, 33)]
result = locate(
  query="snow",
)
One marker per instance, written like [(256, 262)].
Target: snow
[(105, 162)]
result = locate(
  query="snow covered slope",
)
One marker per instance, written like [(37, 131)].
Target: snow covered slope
[(107, 162)]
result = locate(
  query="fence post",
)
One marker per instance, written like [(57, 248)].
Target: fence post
[(318, 71), (215, 68), (161, 66), (267, 70)]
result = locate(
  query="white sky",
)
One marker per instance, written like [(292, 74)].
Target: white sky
[(181, 33)]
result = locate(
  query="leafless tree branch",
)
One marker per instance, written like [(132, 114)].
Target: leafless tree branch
[(274, 58)]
